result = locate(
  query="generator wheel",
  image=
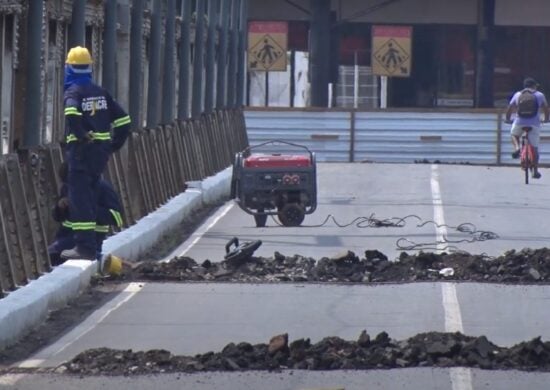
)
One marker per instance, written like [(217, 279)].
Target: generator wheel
[(260, 219), (291, 214)]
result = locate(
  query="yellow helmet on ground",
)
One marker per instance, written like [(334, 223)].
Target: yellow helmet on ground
[(112, 265), (79, 56)]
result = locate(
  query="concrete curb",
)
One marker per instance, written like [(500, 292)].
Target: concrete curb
[(25, 308)]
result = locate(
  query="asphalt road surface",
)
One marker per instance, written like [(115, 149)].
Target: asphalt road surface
[(196, 318)]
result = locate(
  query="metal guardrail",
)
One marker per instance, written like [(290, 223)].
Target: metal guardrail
[(151, 169)]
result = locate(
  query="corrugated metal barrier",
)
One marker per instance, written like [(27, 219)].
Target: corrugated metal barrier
[(325, 132), (152, 168), (410, 136), (454, 136)]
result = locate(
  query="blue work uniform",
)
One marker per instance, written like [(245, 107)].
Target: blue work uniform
[(91, 116), (109, 213)]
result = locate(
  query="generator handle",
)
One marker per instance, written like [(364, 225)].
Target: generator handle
[(233, 241), (247, 150)]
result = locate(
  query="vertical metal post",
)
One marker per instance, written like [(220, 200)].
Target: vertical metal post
[(33, 102), (198, 61), (210, 55), (185, 49), (485, 53), (221, 90), (319, 51), (168, 81), (109, 46), (292, 77), (267, 88), (241, 63), (122, 86), (234, 48), (136, 38), (154, 66), (78, 23)]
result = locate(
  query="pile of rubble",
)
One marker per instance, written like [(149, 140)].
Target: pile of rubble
[(332, 353), (526, 266)]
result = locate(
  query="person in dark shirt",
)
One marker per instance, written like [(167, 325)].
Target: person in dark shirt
[(109, 213), (95, 127)]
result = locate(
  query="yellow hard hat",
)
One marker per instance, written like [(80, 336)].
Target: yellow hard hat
[(79, 56), (112, 265)]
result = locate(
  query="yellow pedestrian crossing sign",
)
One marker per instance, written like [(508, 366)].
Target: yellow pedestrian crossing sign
[(267, 46), (391, 51)]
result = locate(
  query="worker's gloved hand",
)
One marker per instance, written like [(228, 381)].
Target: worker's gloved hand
[(63, 203), (89, 137)]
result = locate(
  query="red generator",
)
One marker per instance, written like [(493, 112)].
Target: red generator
[(275, 184)]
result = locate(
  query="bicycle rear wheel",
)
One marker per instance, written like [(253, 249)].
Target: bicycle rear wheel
[(527, 161)]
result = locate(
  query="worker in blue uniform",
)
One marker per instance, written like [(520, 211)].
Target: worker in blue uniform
[(95, 127), (109, 213)]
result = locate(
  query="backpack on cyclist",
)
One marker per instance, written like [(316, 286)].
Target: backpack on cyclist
[(528, 107)]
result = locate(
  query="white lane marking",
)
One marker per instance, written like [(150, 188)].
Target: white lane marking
[(440, 228), (453, 318), (461, 378), (184, 247), (10, 379), (90, 323)]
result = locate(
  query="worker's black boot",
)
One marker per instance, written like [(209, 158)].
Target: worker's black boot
[(78, 254)]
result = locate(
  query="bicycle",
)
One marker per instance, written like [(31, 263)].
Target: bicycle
[(527, 153)]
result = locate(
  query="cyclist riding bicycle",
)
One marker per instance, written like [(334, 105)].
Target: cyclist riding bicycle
[(527, 105)]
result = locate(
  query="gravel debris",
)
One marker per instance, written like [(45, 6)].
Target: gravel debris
[(528, 266), (432, 349)]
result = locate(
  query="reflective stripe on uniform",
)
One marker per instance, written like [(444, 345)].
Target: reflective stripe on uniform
[(97, 228), (102, 228), (72, 111), (103, 136), (94, 135), (83, 225), (122, 121), (117, 216), (71, 138), (67, 224)]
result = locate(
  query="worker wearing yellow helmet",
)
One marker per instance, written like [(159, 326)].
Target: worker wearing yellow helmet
[(95, 126)]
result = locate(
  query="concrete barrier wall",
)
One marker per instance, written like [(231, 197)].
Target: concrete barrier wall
[(153, 168)]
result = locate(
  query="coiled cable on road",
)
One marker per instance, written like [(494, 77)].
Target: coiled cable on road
[(404, 243), (366, 222), (467, 227)]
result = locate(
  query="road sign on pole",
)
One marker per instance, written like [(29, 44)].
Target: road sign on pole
[(391, 51), (267, 46)]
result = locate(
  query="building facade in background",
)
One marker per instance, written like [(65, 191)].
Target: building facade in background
[(445, 51)]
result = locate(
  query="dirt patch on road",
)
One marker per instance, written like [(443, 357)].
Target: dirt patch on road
[(525, 266), (61, 321), (528, 266), (332, 353), (57, 323)]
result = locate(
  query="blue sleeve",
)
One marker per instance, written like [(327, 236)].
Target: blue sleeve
[(59, 214), (73, 115), (514, 99), (120, 121)]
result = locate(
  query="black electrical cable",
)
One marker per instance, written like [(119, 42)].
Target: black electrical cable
[(406, 244)]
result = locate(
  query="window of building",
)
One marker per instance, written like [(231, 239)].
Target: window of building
[(456, 70)]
